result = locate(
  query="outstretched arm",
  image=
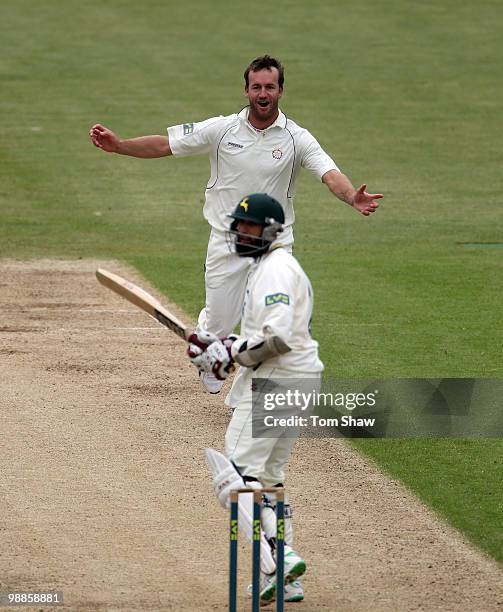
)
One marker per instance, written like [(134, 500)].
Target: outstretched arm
[(145, 146), (359, 199)]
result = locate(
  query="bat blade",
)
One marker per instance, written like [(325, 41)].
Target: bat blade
[(140, 298)]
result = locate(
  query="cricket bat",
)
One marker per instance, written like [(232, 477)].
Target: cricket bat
[(139, 297)]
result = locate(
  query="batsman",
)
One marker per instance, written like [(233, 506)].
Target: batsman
[(257, 149), (275, 343)]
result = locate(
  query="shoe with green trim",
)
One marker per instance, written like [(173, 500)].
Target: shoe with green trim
[(295, 566), (294, 592)]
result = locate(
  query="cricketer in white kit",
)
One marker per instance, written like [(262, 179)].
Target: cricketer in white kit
[(278, 303), (256, 150), (274, 343), (243, 160)]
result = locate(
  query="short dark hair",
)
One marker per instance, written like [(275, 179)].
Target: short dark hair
[(268, 62)]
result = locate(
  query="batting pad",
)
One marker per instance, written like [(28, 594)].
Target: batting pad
[(225, 480)]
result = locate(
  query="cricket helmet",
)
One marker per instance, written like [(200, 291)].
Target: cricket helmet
[(264, 210)]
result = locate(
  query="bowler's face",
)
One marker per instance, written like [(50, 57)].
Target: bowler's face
[(263, 93)]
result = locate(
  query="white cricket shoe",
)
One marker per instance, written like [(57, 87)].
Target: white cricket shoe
[(210, 382), (294, 592), (295, 566), (267, 589)]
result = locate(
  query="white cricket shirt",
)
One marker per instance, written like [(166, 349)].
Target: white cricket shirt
[(245, 160), (279, 302)]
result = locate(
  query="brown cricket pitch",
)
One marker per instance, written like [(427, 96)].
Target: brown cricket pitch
[(104, 486)]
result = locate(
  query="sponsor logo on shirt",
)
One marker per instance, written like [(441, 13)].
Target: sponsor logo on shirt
[(235, 145), (277, 153), (188, 128), (277, 298)]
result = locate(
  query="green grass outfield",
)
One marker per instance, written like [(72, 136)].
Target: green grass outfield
[(405, 96)]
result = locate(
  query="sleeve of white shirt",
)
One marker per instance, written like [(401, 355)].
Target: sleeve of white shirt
[(274, 305), (194, 138), (313, 157)]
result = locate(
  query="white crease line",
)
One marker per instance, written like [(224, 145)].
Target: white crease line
[(79, 329), (155, 328), (128, 311), (56, 309)]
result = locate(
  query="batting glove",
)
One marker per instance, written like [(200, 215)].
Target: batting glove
[(210, 354)]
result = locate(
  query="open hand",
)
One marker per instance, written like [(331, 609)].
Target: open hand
[(365, 202)]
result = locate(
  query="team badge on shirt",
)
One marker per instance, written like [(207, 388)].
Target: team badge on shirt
[(188, 128), (277, 153), (277, 298)]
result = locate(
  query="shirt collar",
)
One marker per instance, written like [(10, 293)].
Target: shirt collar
[(280, 120)]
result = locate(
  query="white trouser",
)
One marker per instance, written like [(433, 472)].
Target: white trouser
[(262, 458), (225, 278)]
